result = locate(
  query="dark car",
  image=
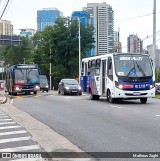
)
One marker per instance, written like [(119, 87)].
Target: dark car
[(157, 88), (69, 86), (43, 83)]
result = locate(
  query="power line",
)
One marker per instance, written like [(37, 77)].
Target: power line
[(136, 17), (4, 9)]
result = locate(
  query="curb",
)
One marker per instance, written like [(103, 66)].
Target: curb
[(4, 100)]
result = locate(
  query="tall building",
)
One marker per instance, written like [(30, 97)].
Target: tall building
[(82, 15), (28, 33), (84, 18), (6, 28), (134, 44), (102, 18), (157, 55), (117, 43), (46, 17)]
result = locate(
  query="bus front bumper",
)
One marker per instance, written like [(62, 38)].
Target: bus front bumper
[(125, 94), (20, 89)]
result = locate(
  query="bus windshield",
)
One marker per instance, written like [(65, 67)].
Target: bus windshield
[(26, 76), (133, 65)]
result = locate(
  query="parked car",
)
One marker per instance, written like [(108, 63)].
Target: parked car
[(69, 86), (43, 83)]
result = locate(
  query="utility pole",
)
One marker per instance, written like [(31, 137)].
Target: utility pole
[(50, 72), (154, 34), (79, 49), (24, 62)]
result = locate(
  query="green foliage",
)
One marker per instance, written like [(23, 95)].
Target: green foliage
[(61, 42), (58, 45), (157, 75), (15, 54)]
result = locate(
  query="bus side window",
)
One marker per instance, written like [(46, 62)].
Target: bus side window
[(110, 68), (86, 69), (82, 69), (89, 67)]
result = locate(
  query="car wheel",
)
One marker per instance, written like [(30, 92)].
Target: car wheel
[(59, 91)]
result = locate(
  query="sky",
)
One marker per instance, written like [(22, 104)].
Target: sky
[(23, 13)]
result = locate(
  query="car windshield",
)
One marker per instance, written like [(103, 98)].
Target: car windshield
[(71, 82), (43, 81), (133, 65)]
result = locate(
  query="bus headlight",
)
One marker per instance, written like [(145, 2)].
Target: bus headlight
[(37, 87), (152, 85), (17, 88), (118, 85)]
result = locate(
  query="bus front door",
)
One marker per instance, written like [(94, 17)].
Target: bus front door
[(103, 77)]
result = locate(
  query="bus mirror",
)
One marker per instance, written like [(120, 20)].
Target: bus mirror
[(151, 62)]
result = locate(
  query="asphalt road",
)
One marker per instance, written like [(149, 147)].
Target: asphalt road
[(98, 126)]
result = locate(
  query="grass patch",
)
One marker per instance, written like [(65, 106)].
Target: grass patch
[(157, 96)]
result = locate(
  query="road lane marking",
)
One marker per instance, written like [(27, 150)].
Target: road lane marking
[(11, 101), (158, 115), (13, 132), (5, 119), (2, 114), (14, 139), (20, 149), (9, 127), (116, 106), (6, 123)]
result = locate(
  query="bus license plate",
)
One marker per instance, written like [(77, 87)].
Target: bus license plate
[(136, 93)]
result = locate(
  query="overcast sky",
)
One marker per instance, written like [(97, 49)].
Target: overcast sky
[(22, 14)]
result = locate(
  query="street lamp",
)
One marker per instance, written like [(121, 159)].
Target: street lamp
[(50, 72), (79, 48), (79, 23)]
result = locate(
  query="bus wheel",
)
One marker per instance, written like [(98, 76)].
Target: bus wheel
[(109, 97), (35, 92), (143, 100), (92, 97), (15, 94)]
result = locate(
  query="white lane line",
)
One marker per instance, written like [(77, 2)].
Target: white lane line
[(6, 123), (14, 139), (158, 115), (116, 106), (5, 119), (9, 127), (20, 149), (2, 114), (11, 101), (13, 132)]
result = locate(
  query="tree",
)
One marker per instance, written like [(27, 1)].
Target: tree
[(63, 42), (15, 54)]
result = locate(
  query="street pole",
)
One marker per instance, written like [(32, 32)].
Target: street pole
[(154, 35), (24, 60), (50, 66), (79, 49)]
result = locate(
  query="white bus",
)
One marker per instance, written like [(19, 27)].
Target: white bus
[(118, 76)]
